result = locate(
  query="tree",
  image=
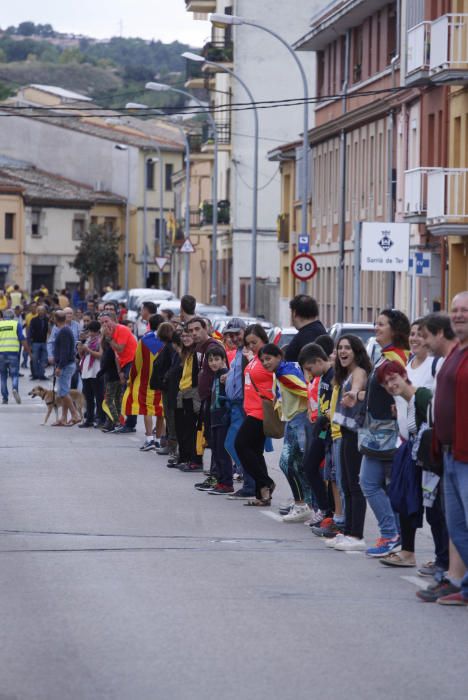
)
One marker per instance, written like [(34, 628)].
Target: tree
[(97, 256), (26, 28)]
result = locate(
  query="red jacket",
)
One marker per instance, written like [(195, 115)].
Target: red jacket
[(460, 442)]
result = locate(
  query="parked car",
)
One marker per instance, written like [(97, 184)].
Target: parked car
[(117, 295), (373, 349), (362, 330), (281, 336), (220, 323), (138, 295)]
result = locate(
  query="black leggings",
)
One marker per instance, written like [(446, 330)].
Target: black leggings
[(355, 502), (249, 445), (186, 421), (313, 456), (436, 519)]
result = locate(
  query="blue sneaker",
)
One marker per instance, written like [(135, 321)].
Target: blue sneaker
[(384, 546)]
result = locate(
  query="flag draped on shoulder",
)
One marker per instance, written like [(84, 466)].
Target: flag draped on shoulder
[(139, 399), (290, 376)]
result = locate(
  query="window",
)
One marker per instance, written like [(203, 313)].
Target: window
[(168, 172), (9, 226), (78, 228), (110, 224), (35, 223), (149, 175)]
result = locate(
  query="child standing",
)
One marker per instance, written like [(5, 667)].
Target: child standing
[(219, 415)]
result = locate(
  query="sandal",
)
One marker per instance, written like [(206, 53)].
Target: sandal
[(259, 503), (59, 424), (73, 421), (395, 559)]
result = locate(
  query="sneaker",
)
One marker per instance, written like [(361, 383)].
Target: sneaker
[(298, 514), (4, 402), (351, 544), (329, 531), (384, 546), (221, 490), (16, 395), (241, 495), (430, 569), (453, 599), (286, 508), (333, 541), (316, 517), (86, 425), (173, 459), (206, 485), (437, 590), (123, 429), (108, 428), (176, 465), (147, 445), (237, 477), (191, 467), (162, 450)]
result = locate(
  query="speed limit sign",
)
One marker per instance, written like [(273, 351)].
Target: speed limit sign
[(304, 266)]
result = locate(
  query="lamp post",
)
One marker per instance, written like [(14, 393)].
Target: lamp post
[(253, 270), (161, 87), (223, 20), (122, 147)]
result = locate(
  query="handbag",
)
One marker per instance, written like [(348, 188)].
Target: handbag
[(378, 438), (273, 426)]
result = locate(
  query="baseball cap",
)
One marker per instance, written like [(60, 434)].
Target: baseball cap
[(234, 326)]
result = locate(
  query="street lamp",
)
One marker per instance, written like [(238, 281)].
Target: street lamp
[(253, 283), (222, 20), (122, 147), (161, 87)]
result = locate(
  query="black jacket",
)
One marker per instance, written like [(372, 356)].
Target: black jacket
[(307, 334), (161, 367)]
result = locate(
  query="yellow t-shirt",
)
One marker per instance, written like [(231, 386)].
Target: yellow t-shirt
[(3, 303), (186, 379), (335, 429), (28, 319)]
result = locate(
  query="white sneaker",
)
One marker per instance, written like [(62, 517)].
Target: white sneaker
[(298, 514), (334, 541), (17, 396), (147, 445), (315, 516), (351, 544)]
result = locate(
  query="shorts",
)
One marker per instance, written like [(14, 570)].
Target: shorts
[(64, 381)]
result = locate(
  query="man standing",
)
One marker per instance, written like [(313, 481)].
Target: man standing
[(450, 427), (64, 358), (188, 304), (11, 339), (38, 329), (124, 344), (304, 316)]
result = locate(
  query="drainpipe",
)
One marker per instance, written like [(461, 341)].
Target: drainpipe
[(390, 214), (342, 222)]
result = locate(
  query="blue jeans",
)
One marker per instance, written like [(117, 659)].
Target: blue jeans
[(292, 458), (39, 360), (237, 418), (64, 380), (9, 365), (372, 481), (456, 509)]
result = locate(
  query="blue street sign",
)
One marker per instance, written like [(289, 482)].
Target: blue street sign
[(303, 244), (423, 264)]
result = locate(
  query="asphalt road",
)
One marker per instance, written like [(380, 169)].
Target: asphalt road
[(120, 581)]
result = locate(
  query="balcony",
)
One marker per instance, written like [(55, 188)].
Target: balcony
[(282, 228), (449, 49), (418, 54), (195, 143), (219, 52), (447, 201), (223, 130), (203, 6), (415, 197), (206, 212), (194, 77)]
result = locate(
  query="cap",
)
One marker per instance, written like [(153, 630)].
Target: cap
[(234, 326)]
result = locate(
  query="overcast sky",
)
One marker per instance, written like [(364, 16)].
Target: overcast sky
[(166, 20)]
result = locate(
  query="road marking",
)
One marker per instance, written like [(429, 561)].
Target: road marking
[(273, 516), (416, 581), (352, 552)]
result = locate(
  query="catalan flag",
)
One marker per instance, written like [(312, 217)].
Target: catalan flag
[(139, 399), (290, 377), (393, 354)]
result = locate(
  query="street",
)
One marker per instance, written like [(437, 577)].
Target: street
[(120, 581)]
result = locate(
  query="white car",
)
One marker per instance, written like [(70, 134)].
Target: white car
[(281, 336)]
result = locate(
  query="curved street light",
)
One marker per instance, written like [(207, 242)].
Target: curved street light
[(161, 87), (253, 283)]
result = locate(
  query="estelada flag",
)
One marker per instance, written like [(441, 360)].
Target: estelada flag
[(139, 399)]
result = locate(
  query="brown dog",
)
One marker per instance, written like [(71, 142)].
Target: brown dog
[(53, 401)]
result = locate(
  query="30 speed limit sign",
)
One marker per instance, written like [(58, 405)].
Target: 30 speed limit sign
[(304, 266)]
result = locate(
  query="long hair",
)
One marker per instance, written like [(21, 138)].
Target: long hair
[(361, 358), (400, 326), (256, 329)]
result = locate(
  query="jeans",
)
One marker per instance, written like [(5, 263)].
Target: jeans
[(221, 456), (39, 360), (9, 365), (456, 509), (237, 418), (93, 390), (292, 458), (313, 457), (64, 380), (372, 481)]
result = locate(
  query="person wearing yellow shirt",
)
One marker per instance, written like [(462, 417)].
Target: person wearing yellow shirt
[(3, 300)]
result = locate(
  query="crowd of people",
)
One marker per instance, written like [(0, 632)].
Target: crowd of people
[(390, 435)]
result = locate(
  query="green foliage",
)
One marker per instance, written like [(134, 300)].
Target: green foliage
[(97, 256)]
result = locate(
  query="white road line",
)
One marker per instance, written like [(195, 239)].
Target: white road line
[(416, 581), (273, 516)]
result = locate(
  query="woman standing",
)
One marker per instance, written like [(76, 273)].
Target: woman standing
[(188, 407), (392, 330), (250, 440), (352, 368)]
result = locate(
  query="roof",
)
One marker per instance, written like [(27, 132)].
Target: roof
[(40, 187), (60, 92)]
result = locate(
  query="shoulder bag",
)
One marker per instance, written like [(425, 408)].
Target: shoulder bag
[(273, 426)]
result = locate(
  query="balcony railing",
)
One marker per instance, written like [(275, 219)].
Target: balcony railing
[(206, 212), (282, 228), (415, 199), (195, 142), (447, 195), (224, 133), (418, 48), (218, 51), (193, 70), (449, 46)]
